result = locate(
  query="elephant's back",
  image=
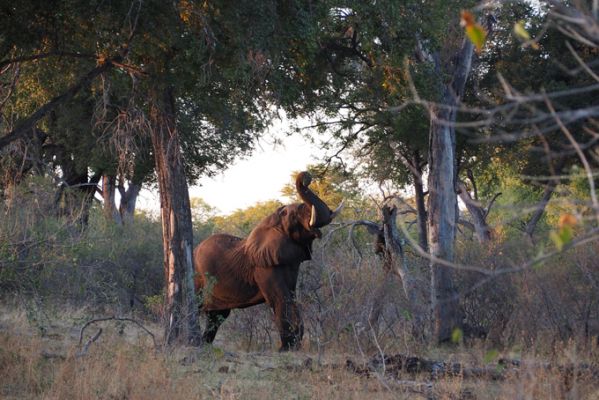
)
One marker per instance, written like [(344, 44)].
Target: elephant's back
[(209, 254)]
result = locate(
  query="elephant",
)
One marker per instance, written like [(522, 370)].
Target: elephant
[(231, 272)]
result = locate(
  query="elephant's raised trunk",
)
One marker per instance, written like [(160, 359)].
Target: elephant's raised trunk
[(321, 214)]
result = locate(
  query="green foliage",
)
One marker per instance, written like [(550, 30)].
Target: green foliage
[(202, 217), (490, 356), (332, 184), (457, 335), (241, 222)]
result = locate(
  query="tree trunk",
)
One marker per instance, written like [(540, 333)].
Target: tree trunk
[(181, 310), (481, 228), (89, 191), (540, 208), (442, 207), (420, 204), (109, 206), (395, 261), (442, 200), (128, 201)]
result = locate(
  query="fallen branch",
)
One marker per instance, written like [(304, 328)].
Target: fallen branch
[(85, 348), (504, 368), (115, 318)]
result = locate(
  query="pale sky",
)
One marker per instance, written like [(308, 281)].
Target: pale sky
[(259, 177)]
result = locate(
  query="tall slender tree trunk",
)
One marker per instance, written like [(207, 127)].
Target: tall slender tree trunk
[(442, 198), (108, 194), (420, 203), (413, 163), (540, 208), (181, 310)]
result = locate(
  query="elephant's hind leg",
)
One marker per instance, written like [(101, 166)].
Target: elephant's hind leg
[(215, 319)]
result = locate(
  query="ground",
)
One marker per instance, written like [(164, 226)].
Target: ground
[(45, 360)]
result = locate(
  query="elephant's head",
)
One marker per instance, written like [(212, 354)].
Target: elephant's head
[(313, 213), (286, 235)]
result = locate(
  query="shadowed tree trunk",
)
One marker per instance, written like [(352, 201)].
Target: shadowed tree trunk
[(181, 309), (396, 262), (109, 205), (442, 200), (414, 165), (420, 204), (128, 201), (540, 208)]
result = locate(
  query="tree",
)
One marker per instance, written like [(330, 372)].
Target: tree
[(203, 84), (381, 58)]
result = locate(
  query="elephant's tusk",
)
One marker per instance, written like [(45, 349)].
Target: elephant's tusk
[(313, 217), (338, 209)]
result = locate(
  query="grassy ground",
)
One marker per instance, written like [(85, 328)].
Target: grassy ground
[(123, 364)]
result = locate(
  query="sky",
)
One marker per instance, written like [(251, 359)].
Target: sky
[(258, 177)]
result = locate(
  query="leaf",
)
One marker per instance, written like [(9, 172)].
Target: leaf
[(567, 220), (565, 232), (521, 31), (218, 352), (557, 240), (490, 356), (457, 335), (475, 32)]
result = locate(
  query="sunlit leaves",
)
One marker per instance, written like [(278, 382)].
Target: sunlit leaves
[(457, 335), (490, 356), (474, 31), (521, 33), (565, 231)]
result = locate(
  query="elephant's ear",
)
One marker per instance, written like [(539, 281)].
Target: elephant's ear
[(269, 246)]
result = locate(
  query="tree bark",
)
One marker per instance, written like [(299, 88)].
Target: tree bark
[(477, 212), (414, 164), (88, 189), (395, 261), (109, 206), (128, 201), (181, 309), (540, 209), (420, 204), (442, 200)]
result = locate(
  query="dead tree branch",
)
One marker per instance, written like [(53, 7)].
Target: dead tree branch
[(85, 348), (115, 318)]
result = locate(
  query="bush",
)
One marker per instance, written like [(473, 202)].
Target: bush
[(347, 300), (50, 256)]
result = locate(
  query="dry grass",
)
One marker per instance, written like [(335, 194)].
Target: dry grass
[(122, 364)]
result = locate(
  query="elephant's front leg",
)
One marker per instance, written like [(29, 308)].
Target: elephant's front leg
[(274, 287), (290, 325)]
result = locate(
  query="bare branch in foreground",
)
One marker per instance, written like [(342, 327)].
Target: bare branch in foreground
[(115, 318)]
